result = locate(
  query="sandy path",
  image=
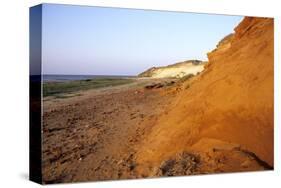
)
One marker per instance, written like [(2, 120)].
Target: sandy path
[(92, 136)]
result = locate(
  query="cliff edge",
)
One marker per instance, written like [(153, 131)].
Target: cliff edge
[(227, 113)]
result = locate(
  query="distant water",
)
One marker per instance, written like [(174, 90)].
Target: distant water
[(64, 78)]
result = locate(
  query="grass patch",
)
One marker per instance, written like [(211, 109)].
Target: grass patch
[(57, 88), (186, 77), (65, 96)]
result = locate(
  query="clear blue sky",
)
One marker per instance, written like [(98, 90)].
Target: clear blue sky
[(113, 41)]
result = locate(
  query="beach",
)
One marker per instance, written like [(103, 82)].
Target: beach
[(217, 120), (93, 134), (100, 134)]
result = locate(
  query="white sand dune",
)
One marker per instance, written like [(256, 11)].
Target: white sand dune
[(177, 70)]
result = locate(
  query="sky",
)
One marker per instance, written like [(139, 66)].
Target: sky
[(84, 40)]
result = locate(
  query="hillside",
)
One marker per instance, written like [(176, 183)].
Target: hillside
[(176, 70), (224, 119)]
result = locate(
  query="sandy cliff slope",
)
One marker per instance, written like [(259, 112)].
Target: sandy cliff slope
[(229, 107), (176, 70)]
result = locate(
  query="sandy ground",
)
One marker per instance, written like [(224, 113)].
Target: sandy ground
[(96, 134), (92, 135)]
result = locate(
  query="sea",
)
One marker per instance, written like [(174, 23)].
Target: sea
[(64, 78)]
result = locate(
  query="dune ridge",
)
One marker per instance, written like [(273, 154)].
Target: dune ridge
[(177, 70)]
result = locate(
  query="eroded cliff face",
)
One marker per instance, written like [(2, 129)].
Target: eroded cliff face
[(229, 107), (177, 70)]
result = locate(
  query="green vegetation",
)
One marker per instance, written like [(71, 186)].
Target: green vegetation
[(58, 88), (186, 77)]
